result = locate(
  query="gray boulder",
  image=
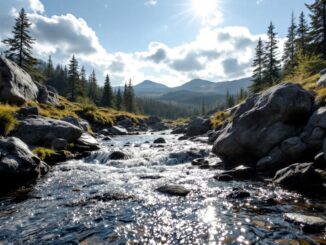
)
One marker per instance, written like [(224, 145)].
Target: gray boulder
[(174, 190), (80, 123), (28, 111), (16, 85), (272, 162), (42, 131), (18, 165), (159, 141), (115, 130), (198, 126), (47, 95), (239, 173), (262, 122), (308, 223), (87, 142), (59, 144), (293, 148), (322, 80)]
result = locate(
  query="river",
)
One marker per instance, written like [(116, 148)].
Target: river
[(101, 201)]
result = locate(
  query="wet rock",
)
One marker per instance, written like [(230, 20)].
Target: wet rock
[(41, 131), (115, 130), (18, 165), (87, 142), (159, 141), (263, 121), (107, 138), (118, 155), (80, 123), (187, 156), (175, 190), (198, 126), (272, 162), (183, 138), (293, 148), (300, 177), (107, 197), (59, 144), (150, 177), (320, 161), (16, 85), (238, 194), (200, 162), (155, 123), (125, 123), (308, 223), (28, 111), (59, 157), (240, 173), (179, 130), (223, 177), (47, 94)]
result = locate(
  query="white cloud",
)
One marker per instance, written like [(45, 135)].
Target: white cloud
[(150, 2)]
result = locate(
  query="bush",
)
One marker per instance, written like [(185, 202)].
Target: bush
[(7, 122), (43, 152), (309, 65), (219, 118), (86, 104)]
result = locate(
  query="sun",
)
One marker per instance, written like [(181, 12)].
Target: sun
[(204, 8)]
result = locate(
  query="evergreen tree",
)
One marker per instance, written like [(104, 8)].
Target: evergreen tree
[(229, 100), (131, 107), (108, 96), (302, 35), (49, 71), (289, 56), (73, 79), (20, 45), (318, 26), (258, 64), (93, 90), (203, 108), (119, 100), (271, 63), (83, 83)]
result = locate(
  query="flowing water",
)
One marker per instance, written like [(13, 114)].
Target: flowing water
[(101, 201)]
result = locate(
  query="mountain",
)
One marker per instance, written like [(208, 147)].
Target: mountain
[(148, 88)]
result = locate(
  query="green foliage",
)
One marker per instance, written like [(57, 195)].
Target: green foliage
[(290, 49), (257, 65), (43, 152), (86, 104), (93, 89), (309, 64), (219, 118), (108, 96), (7, 122)]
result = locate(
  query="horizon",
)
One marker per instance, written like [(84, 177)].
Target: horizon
[(166, 42)]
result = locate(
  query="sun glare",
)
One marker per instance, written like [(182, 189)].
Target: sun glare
[(204, 8)]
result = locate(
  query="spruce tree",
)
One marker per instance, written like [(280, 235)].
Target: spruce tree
[(317, 34), (290, 49), (125, 100), (20, 45), (49, 71), (118, 101), (258, 65), (83, 83), (108, 96), (302, 35), (73, 79), (131, 98), (93, 90), (271, 63)]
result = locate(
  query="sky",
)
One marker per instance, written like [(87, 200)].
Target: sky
[(166, 41)]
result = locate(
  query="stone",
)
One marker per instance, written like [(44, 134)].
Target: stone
[(322, 81), (300, 177), (238, 194), (320, 161), (308, 223), (118, 155), (18, 165), (240, 173), (87, 142), (159, 141), (58, 157), (262, 122), (16, 85), (115, 130), (272, 162), (41, 131), (47, 95), (78, 122), (28, 111), (198, 126), (293, 148), (59, 144), (200, 162), (174, 190), (223, 177), (179, 130)]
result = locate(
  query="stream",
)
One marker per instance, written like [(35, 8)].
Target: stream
[(101, 201)]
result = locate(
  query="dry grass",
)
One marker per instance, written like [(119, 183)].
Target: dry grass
[(43, 152), (177, 122), (8, 121), (219, 118)]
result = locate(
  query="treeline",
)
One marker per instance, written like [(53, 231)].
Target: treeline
[(304, 51)]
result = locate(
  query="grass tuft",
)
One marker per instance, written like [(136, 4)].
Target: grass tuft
[(43, 152)]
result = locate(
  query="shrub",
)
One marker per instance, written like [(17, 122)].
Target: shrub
[(219, 118), (86, 104), (43, 152), (7, 122), (309, 65)]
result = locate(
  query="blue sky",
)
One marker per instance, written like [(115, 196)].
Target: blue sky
[(168, 41)]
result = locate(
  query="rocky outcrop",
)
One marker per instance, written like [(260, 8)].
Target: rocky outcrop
[(41, 131), (16, 85), (322, 80), (78, 122), (159, 141), (264, 122), (18, 165), (238, 173), (155, 123), (86, 142), (47, 95), (198, 126)]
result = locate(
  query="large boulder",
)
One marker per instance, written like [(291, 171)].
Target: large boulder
[(198, 126), (80, 123), (43, 131), (18, 165), (16, 85), (87, 142), (47, 95), (262, 122)]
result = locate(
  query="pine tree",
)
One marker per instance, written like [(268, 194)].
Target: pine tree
[(271, 63), (258, 64), (290, 49), (318, 26), (49, 71), (83, 83), (118, 101), (20, 45), (131, 98), (93, 90), (108, 96), (302, 35), (73, 79), (125, 99), (203, 108)]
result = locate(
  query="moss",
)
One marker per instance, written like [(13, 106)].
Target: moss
[(219, 118), (43, 152)]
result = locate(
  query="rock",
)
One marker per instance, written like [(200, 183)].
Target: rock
[(58, 157), (198, 126), (300, 177), (107, 138), (155, 123), (320, 161), (183, 138), (47, 95), (118, 155), (80, 123), (223, 177), (107, 197), (187, 156), (322, 81), (41, 131), (115, 130), (238, 194), (293, 148), (16, 85), (262, 122), (272, 162), (59, 144), (87, 142), (179, 130), (150, 177), (18, 165), (125, 123), (308, 223), (174, 190), (28, 111), (240, 173), (159, 141), (201, 162)]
